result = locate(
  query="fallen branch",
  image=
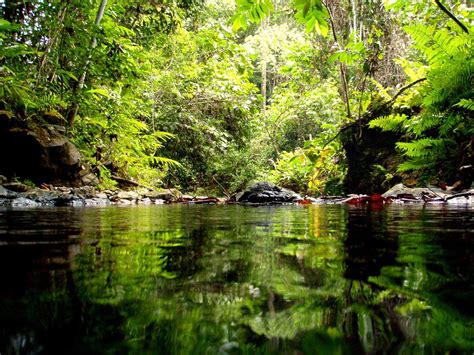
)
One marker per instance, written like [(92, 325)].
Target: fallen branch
[(226, 193), (461, 194)]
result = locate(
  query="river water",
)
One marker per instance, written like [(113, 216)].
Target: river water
[(181, 279)]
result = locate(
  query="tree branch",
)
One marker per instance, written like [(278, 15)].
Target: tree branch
[(450, 14), (403, 89), (342, 67), (382, 106)]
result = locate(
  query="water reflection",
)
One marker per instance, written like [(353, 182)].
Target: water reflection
[(233, 279)]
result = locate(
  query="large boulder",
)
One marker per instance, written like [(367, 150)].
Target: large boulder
[(266, 192), (42, 155)]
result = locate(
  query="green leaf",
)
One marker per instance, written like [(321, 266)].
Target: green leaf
[(101, 92)]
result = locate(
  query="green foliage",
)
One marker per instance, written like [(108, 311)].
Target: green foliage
[(313, 170), (250, 10), (205, 98), (313, 14), (393, 122), (175, 66), (439, 135), (42, 64)]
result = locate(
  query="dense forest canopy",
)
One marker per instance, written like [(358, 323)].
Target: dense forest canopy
[(214, 94)]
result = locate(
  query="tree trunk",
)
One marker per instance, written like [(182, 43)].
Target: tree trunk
[(263, 87), (75, 106)]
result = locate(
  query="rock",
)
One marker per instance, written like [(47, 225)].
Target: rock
[(6, 193), (17, 187), (43, 197), (124, 202), (76, 203), (266, 192), (462, 200), (3, 179), (84, 191), (102, 196), (55, 127), (109, 193), (371, 158), (24, 202), (127, 195), (96, 201), (166, 195), (64, 199), (401, 190), (89, 178), (40, 154)]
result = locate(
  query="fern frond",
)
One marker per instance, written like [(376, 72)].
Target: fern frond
[(439, 45), (389, 123), (467, 104), (435, 97), (424, 123), (154, 160), (413, 165), (421, 148), (449, 124), (163, 135)]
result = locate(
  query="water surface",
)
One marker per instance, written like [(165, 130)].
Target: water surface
[(234, 279)]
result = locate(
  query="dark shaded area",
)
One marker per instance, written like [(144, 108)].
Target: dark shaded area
[(365, 149), (39, 154), (368, 246)]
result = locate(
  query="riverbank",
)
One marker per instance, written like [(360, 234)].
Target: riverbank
[(21, 195)]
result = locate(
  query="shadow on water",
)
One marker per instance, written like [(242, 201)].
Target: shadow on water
[(233, 279)]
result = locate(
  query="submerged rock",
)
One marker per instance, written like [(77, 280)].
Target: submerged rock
[(266, 192)]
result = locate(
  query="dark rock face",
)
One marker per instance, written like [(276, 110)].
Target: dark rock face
[(266, 192), (40, 154), (368, 153)]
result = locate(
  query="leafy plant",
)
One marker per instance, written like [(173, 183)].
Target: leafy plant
[(438, 138)]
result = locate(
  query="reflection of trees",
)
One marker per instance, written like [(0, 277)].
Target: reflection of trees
[(368, 245), (425, 284), (37, 305), (234, 279)]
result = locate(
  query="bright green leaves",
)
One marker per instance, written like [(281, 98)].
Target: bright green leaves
[(313, 14), (393, 122), (436, 140), (310, 13), (202, 94), (467, 104), (250, 10), (353, 52)]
